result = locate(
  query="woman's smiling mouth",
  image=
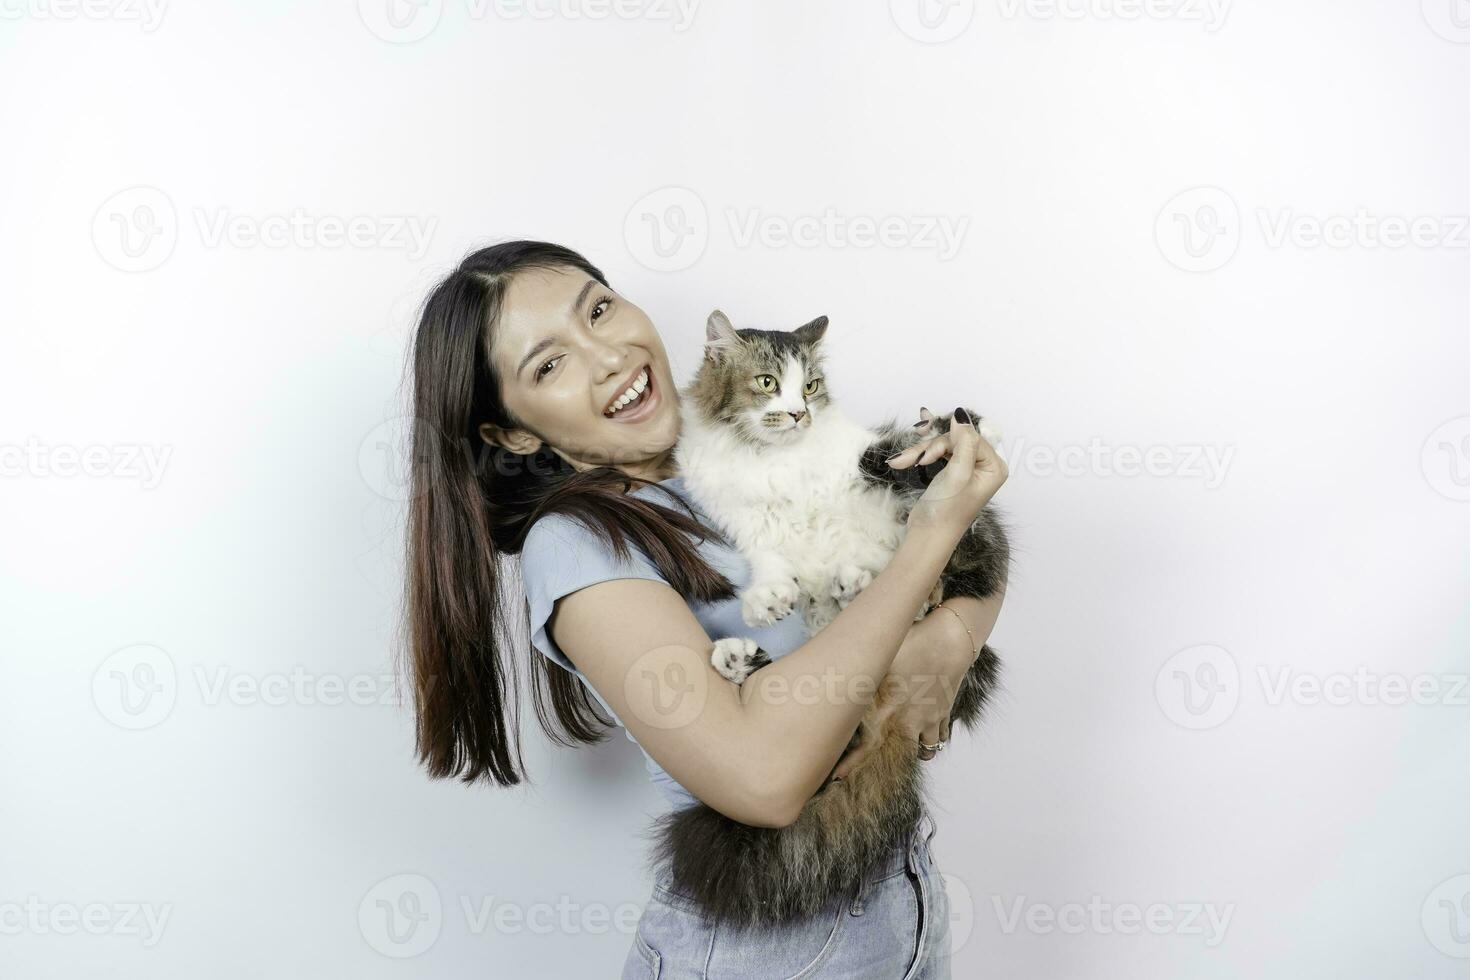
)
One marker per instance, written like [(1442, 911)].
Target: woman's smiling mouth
[(644, 403)]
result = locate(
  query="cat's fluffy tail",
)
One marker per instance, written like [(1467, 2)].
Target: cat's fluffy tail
[(757, 876)]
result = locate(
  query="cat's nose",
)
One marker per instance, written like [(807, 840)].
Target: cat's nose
[(797, 416)]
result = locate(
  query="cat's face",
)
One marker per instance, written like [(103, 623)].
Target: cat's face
[(766, 384)]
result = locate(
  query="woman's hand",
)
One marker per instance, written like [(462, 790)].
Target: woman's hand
[(972, 473), (922, 684)]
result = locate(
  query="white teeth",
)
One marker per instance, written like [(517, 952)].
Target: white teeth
[(634, 390)]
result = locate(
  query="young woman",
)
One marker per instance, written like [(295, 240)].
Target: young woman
[(519, 355)]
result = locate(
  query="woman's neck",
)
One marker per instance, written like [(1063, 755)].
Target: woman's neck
[(655, 469)]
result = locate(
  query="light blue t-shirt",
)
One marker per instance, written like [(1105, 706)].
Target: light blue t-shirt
[(561, 556)]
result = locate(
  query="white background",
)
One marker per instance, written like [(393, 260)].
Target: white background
[(1143, 753)]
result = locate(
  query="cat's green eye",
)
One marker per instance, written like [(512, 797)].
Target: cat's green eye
[(813, 385), (767, 382)]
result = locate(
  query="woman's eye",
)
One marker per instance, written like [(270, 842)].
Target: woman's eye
[(541, 371), (601, 308)]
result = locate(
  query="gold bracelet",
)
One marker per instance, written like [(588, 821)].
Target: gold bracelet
[(975, 649)]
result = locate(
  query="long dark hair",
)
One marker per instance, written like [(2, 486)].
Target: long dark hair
[(471, 505)]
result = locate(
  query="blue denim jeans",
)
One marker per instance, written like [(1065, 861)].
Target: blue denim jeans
[(893, 926)]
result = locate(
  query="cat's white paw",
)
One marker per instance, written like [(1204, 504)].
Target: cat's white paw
[(769, 602), (848, 582), (817, 614), (737, 657), (991, 433)]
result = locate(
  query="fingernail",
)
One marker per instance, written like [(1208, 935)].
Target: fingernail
[(962, 415)]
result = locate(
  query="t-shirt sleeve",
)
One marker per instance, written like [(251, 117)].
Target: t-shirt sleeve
[(560, 556)]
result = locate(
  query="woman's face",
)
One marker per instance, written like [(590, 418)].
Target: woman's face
[(566, 348)]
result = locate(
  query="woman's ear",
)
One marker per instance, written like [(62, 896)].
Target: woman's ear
[(518, 441)]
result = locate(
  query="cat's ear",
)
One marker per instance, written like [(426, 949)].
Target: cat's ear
[(720, 337), (810, 333)]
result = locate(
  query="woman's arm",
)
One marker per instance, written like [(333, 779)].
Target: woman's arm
[(758, 752)]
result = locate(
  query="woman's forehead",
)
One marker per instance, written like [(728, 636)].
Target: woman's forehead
[(537, 304)]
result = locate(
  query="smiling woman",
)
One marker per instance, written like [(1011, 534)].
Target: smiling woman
[(546, 418)]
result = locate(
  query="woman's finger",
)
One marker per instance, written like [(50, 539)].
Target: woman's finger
[(938, 449), (899, 460), (929, 736)]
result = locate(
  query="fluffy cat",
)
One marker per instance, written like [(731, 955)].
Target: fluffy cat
[(806, 495)]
